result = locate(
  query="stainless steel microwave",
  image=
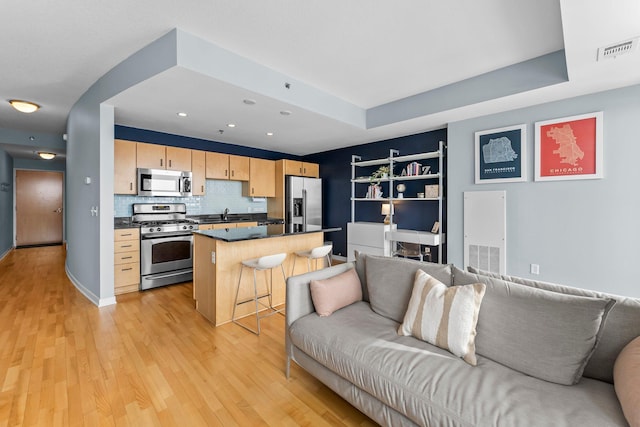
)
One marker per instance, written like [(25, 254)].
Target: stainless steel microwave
[(160, 182)]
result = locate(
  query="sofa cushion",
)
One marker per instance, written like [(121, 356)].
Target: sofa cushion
[(626, 379), (390, 282), (444, 316), (361, 265), (339, 291), (541, 333), (622, 325), (433, 387)]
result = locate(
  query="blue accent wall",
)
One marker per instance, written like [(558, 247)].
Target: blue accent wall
[(335, 169), (153, 137)]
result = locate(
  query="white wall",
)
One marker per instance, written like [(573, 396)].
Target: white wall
[(583, 233)]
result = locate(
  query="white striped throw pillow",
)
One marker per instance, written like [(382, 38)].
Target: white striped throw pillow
[(444, 316)]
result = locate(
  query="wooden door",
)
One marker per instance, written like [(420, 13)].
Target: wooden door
[(124, 165), (150, 156), (178, 159), (38, 207), (198, 168), (217, 165)]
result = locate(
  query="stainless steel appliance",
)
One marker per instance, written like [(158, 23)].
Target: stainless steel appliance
[(303, 203), (166, 243), (160, 182)]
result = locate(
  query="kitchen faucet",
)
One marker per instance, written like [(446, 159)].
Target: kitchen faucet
[(225, 215)]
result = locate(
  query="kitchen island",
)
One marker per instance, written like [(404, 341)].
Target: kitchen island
[(217, 257)]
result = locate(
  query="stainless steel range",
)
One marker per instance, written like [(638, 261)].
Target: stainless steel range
[(166, 243)]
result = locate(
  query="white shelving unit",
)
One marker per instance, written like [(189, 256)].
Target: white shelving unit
[(394, 159)]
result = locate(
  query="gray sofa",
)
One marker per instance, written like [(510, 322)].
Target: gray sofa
[(400, 380)]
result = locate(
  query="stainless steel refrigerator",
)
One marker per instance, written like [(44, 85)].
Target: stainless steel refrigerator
[(303, 203)]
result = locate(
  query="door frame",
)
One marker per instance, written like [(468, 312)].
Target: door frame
[(64, 202)]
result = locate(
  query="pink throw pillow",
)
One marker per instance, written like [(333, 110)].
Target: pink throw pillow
[(626, 380), (336, 292)]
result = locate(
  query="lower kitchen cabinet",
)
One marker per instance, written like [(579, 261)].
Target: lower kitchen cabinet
[(126, 273)]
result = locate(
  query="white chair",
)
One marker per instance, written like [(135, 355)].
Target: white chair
[(315, 254), (268, 262)]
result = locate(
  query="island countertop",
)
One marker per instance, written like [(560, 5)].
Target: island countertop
[(259, 232)]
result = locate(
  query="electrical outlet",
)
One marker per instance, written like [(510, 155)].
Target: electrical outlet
[(213, 257), (535, 269)]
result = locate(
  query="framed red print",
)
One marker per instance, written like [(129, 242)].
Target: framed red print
[(569, 148)]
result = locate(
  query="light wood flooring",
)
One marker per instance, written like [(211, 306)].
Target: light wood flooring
[(151, 359)]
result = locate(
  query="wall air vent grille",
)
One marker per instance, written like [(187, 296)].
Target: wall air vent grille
[(617, 49)]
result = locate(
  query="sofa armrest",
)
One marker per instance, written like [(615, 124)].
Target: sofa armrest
[(298, 299)]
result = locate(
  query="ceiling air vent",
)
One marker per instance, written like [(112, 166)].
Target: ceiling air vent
[(617, 49)]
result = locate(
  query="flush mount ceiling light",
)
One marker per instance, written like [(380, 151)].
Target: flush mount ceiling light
[(231, 125), (181, 114), (269, 133), (45, 155), (24, 106)]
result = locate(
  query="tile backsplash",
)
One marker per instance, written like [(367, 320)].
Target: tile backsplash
[(219, 195)]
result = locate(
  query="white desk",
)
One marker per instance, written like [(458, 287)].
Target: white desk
[(413, 236)]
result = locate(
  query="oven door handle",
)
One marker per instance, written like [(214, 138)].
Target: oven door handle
[(164, 237)]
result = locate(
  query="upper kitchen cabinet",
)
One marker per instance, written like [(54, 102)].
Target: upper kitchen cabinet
[(294, 167), (153, 156), (178, 159), (124, 173), (198, 169), (226, 166), (262, 179)]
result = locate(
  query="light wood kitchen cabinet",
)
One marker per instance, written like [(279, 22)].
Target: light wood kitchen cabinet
[(150, 156), (262, 179), (294, 167), (124, 167), (227, 166), (178, 159), (153, 156), (198, 169), (126, 268)]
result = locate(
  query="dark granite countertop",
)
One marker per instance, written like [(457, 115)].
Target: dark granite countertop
[(124, 222), (260, 232)]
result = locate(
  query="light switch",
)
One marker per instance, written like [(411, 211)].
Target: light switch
[(87, 180)]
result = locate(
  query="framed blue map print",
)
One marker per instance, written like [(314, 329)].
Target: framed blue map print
[(500, 155)]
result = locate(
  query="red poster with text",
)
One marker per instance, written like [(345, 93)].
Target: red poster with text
[(568, 148)]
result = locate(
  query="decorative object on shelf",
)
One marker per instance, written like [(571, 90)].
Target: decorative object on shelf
[(380, 174), (414, 169), (432, 191), (569, 148), (501, 155), (374, 192), (425, 170), (401, 189), (387, 209), (420, 195), (436, 227)]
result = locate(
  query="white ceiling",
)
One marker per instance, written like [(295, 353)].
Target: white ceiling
[(366, 52)]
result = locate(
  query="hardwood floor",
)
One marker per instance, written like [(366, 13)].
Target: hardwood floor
[(151, 359)]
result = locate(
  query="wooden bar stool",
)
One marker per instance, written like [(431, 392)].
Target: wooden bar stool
[(268, 262), (315, 253)]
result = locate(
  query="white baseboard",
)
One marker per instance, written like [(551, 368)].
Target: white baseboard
[(100, 302)]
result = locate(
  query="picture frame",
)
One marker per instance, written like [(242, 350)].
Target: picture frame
[(501, 155), (569, 148), (436, 227)]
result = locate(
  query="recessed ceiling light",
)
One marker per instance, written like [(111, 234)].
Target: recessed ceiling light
[(231, 125), (249, 101), (45, 155), (285, 112), (24, 106), (269, 133), (181, 114)]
